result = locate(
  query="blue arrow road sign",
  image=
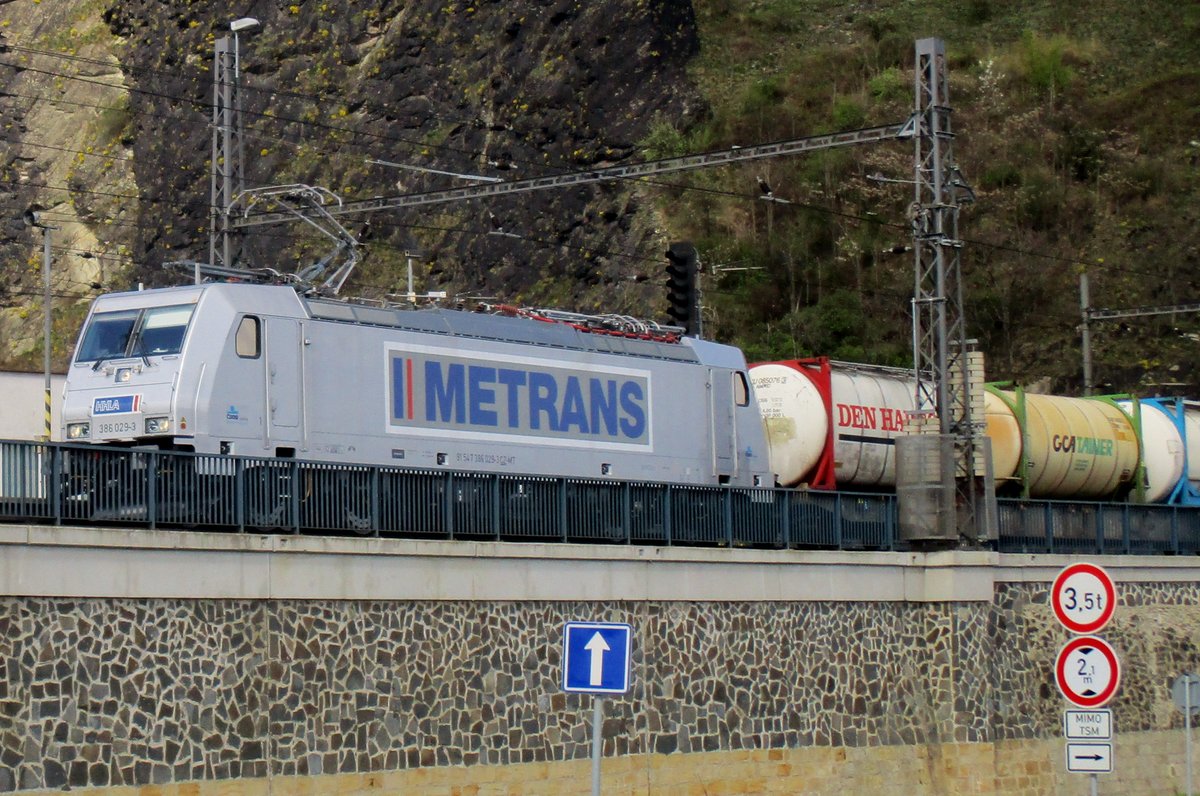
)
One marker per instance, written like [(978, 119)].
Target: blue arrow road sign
[(596, 657)]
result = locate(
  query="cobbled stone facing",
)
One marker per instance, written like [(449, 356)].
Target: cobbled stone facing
[(123, 692)]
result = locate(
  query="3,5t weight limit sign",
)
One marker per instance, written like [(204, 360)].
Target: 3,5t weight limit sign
[(1083, 597)]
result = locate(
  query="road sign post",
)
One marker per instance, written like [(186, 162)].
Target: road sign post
[(596, 660), (1089, 758), (1087, 671), (1185, 692), (1087, 725), (596, 657)]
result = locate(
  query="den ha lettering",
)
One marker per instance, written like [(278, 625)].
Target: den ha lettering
[(875, 418)]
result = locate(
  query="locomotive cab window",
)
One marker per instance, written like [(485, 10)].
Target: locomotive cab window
[(248, 341), (741, 389), (154, 331), (162, 330)]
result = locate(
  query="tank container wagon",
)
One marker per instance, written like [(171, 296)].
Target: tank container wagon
[(833, 425)]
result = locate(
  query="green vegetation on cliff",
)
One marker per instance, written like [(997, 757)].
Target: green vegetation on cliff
[(1076, 125)]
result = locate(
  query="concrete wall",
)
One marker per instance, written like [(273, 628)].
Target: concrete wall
[(139, 662), (22, 410)]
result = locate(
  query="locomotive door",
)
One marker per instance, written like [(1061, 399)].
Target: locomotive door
[(284, 378), (720, 392)]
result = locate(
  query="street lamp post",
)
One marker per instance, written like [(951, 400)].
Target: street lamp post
[(32, 218), (227, 166)]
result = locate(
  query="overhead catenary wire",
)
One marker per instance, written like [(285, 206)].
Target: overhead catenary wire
[(714, 191)]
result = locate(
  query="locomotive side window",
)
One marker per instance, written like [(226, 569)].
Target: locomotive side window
[(247, 342), (741, 389)]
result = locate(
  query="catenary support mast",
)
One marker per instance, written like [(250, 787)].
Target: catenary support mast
[(942, 354)]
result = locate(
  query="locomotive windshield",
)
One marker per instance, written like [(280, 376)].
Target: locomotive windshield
[(153, 331)]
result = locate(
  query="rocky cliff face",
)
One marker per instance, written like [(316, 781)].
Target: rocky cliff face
[(109, 108)]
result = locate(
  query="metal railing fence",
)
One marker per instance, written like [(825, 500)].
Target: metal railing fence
[(82, 484), (1053, 526)]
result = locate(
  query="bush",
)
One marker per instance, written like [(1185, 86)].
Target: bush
[(1000, 175), (762, 95), (1042, 62), (848, 114), (1041, 202), (890, 84), (1080, 153), (663, 140)]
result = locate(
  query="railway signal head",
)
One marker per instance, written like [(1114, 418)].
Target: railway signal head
[(683, 306)]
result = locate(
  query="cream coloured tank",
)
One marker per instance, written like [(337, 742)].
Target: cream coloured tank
[(1191, 426), (1004, 432), (1076, 447), (868, 411)]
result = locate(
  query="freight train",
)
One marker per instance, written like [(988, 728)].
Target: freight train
[(264, 371)]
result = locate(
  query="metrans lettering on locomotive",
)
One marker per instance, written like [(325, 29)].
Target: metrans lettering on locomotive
[(434, 390)]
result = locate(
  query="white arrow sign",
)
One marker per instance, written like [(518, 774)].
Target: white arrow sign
[(1089, 758), (597, 646), (596, 657)]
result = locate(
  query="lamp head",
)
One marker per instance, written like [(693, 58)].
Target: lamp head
[(244, 24)]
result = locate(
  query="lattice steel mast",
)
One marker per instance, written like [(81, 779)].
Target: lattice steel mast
[(945, 364)]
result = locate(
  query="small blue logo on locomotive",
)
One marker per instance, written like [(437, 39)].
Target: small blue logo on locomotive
[(431, 391)]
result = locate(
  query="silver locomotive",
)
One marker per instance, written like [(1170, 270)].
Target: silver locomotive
[(263, 371)]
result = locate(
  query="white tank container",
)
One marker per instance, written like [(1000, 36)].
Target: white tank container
[(1191, 427), (794, 418), (868, 411), (1162, 450)]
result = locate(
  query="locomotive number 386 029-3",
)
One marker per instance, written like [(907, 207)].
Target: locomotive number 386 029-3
[(117, 427)]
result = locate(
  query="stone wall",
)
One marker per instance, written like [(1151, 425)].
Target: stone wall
[(122, 692), (1155, 631), (887, 695)]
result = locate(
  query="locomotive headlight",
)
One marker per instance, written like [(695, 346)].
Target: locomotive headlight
[(158, 425), (124, 375), (79, 430)]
